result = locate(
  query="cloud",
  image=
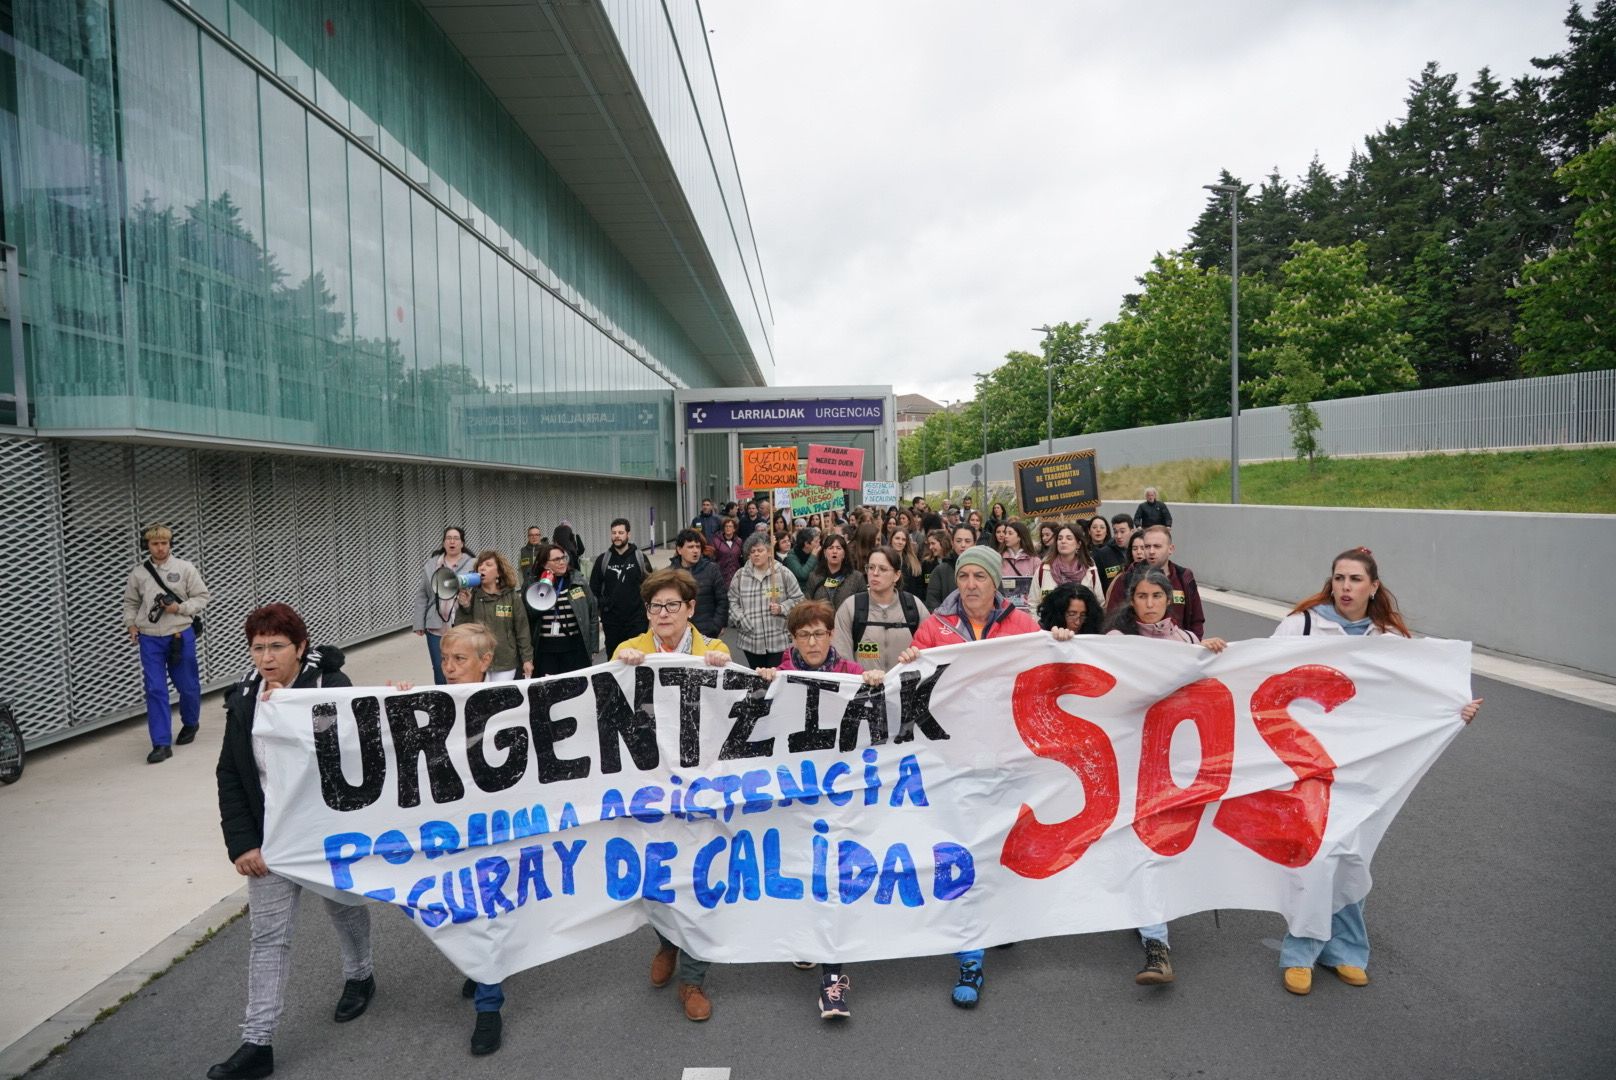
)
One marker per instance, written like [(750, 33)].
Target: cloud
[(928, 181)]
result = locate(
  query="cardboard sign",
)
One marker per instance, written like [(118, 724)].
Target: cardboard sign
[(1057, 484), (782, 498), (769, 466), (880, 493), (835, 466)]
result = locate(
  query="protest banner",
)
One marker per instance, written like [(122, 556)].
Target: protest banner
[(991, 792), (809, 498), (782, 498), (1059, 483), (768, 466), (835, 466), (742, 493), (880, 493)]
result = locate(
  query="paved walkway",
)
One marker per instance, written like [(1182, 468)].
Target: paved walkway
[(130, 859)]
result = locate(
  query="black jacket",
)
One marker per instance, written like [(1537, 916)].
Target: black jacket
[(712, 596), (941, 582), (1147, 514), (615, 581), (241, 796)]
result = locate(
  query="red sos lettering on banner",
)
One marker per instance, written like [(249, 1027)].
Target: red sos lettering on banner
[(1283, 826)]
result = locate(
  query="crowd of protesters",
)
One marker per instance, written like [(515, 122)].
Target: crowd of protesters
[(851, 593)]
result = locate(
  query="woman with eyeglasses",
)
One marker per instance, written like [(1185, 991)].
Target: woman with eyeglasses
[(670, 602), (811, 625), (281, 658), (565, 635)]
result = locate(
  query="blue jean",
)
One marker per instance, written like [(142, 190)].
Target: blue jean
[(1158, 931), (1348, 945), (434, 649), (489, 997), (155, 671), (970, 956)]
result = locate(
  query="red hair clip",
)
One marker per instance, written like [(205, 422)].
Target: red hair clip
[(1365, 550)]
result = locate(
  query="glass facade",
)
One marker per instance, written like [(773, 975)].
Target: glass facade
[(311, 224)]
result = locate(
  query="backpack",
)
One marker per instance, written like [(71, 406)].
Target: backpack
[(861, 615)]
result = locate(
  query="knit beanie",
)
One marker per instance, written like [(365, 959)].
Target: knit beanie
[(985, 557)]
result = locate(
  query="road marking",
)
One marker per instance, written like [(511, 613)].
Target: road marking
[(705, 1074)]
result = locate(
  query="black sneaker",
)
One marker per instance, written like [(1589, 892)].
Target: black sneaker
[(248, 1062), (186, 735), (1158, 969), (355, 999), (158, 755), (833, 998), (485, 1036)]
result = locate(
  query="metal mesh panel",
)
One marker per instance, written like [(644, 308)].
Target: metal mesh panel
[(33, 668), (324, 593), (99, 544), (342, 542), (356, 550), (275, 531), (225, 560)]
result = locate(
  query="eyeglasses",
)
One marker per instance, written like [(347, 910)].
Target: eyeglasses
[(270, 647), (811, 635), (555, 559), (667, 607)]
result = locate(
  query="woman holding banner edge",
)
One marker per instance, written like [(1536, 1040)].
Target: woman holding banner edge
[(281, 657), (1354, 602), (974, 611), (670, 603)]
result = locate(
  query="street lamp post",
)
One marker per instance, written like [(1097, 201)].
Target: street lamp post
[(982, 406), (1233, 191), (1049, 390), (948, 455)]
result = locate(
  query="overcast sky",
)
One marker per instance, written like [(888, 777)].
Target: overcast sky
[(929, 180)]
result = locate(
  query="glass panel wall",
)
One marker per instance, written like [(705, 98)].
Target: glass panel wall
[(214, 250)]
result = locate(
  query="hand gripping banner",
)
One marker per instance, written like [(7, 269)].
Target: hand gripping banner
[(991, 792)]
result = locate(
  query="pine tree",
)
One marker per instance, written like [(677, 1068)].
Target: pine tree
[(1583, 80)]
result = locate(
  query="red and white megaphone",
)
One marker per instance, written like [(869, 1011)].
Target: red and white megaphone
[(541, 595)]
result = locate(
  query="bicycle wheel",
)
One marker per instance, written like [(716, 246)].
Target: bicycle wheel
[(11, 749)]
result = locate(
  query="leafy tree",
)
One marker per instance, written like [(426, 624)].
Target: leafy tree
[(1568, 298), (1327, 322)]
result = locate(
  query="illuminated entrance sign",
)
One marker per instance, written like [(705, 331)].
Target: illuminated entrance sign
[(809, 413)]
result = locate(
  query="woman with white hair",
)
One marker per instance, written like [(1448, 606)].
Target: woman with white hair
[(761, 595)]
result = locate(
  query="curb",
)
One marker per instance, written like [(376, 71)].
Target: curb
[(34, 1047)]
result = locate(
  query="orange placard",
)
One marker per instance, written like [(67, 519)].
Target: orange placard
[(769, 467)]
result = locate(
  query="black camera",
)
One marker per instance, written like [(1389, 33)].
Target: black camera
[(158, 604)]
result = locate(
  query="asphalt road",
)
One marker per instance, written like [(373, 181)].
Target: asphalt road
[(1489, 925)]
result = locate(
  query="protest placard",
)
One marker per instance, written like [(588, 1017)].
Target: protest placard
[(768, 466), (995, 791), (835, 466), (880, 493), (1059, 483)]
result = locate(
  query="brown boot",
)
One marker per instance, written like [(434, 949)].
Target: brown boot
[(694, 999), (662, 965)]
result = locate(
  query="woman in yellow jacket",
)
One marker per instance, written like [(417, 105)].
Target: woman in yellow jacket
[(670, 602)]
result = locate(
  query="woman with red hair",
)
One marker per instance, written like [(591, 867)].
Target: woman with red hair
[(282, 658)]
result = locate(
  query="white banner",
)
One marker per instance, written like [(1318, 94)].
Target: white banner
[(992, 792)]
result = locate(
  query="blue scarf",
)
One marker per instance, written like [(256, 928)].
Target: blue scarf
[(1355, 627), (831, 660)]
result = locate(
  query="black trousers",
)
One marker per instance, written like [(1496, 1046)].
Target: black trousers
[(756, 660), (559, 663), (617, 633)]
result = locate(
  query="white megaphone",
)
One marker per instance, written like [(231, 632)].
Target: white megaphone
[(446, 583), (541, 595)]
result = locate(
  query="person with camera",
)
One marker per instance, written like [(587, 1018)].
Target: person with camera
[(163, 602)]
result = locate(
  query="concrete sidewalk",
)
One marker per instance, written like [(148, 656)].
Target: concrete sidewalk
[(128, 861), (129, 858)]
